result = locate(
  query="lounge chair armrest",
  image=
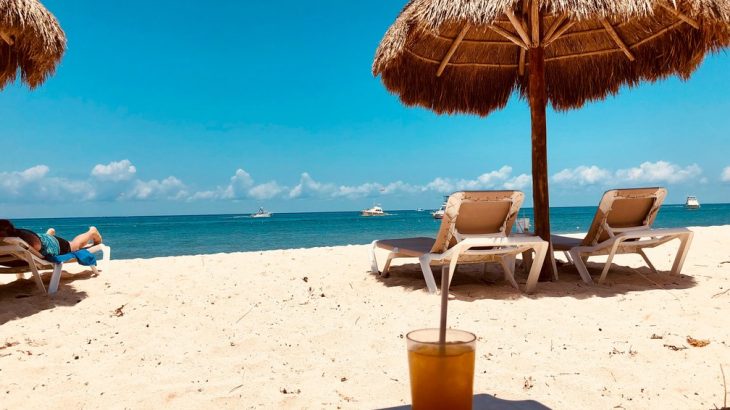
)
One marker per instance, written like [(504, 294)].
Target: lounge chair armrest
[(643, 233), (486, 240), (478, 241)]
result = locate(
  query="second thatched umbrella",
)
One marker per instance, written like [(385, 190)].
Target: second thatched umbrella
[(31, 42), (469, 56)]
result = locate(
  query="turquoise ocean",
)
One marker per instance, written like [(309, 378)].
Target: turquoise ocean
[(152, 236)]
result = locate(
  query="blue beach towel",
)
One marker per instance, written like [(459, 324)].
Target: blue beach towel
[(82, 256)]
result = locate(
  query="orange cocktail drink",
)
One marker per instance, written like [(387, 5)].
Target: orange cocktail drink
[(442, 375)]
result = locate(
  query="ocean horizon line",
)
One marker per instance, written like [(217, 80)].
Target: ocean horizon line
[(301, 212)]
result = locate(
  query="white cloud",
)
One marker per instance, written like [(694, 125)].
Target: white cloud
[(725, 177), (489, 180), (582, 175), (519, 182), (114, 171), (266, 191), (168, 188), (240, 186), (660, 172), (308, 187), (35, 184)]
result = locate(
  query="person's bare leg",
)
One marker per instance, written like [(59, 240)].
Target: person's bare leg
[(82, 240)]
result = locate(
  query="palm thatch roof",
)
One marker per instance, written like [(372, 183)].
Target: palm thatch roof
[(31, 42), (470, 55)]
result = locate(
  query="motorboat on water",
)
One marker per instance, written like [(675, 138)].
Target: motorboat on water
[(439, 213), (261, 213), (376, 210), (692, 203)]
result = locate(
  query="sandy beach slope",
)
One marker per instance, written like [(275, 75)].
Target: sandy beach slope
[(311, 328)]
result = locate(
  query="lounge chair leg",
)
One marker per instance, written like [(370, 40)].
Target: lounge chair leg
[(34, 272), (567, 256), (540, 253), (425, 262), (509, 275), (55, 278), (386, 268), (551, 253), (581, 266), (527, 261), (512, 259), (646, 259), (684, 245), (373, 260), (37, 278), (106, 254), (607, 266)]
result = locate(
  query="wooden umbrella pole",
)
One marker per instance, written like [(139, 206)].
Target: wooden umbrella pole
[(538, 104)]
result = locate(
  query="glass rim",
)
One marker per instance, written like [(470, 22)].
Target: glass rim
[(472, 336)]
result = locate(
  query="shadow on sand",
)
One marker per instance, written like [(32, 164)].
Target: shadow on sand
[(21, 298), (468, 283), (486, 401)]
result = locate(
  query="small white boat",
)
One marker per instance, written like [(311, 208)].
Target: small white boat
[(261, 213), (439, 214), (419, 210), (374, 211), (692, 203)]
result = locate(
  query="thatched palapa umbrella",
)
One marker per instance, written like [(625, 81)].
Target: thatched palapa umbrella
[(468, 56), (31, 42)]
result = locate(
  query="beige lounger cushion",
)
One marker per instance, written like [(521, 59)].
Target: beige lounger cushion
[(564, 243), (408, 246)]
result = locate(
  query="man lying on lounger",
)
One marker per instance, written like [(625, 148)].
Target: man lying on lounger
[(48, 244)]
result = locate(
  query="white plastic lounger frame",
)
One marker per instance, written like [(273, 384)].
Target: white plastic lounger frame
[(604, 239), (17, 250), (484, 238)]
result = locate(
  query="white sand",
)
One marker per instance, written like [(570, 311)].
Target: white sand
[(312, 328)]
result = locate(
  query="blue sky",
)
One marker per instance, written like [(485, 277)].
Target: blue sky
[(172, 108)]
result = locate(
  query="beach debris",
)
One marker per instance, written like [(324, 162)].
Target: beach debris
[(697, 342), (675, 348), (656, 336), (724, 390), (119, 312), (528, 383), (721, 293), (244, 315), (615, 351), (343, 379), (283, 390), (306, 279), (9, 344)]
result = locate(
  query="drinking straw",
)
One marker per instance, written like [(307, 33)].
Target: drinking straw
[(444, 304)]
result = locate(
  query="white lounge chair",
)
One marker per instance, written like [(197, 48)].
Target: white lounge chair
[(17, 257), (475, 229), (622, 224)]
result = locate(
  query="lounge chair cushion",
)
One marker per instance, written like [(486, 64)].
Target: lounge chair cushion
[(410, 246), (564, 243)]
